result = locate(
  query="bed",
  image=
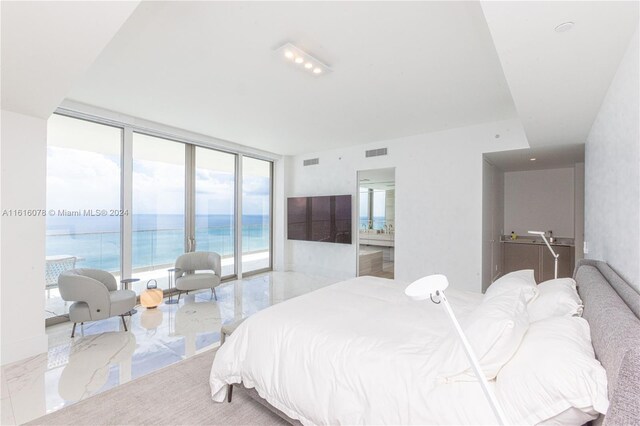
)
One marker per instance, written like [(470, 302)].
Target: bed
[(298, 357)]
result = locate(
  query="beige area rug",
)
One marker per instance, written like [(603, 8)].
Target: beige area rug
[(175, 395)]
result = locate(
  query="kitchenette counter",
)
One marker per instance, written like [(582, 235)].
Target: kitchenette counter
[(532, 253), (560, 242)]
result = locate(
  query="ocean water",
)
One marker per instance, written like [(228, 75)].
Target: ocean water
[(378, 222), (156, 239)]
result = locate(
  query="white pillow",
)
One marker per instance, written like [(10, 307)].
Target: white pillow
[(524, 280), (572, 416), (556, 298), (554, 369), (494, 330)]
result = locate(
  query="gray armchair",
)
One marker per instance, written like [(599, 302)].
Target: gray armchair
[(192, 272), (96, 296), (55, 265)]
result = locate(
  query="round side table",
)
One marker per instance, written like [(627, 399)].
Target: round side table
[(171, 300)]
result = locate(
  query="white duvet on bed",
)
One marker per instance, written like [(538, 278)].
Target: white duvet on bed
[(356, 352)]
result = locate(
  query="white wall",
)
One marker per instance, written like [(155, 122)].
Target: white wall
[(492, 222), (612, 176), (438, 201), (540, 200), (22, 252), (281, 168), (578, 206)]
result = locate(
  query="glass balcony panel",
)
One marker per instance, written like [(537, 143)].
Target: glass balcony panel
[(158, 222), (256, 214), (83, 202), (215, 205)]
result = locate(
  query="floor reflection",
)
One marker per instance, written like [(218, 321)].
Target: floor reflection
[(90, 360), (198, 318), (103, 355)]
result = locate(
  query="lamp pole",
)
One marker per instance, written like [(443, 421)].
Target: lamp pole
[(432, 285), (495, 406), (553, 253)]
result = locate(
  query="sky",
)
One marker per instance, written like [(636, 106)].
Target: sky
[(78, 179), (83, 172)]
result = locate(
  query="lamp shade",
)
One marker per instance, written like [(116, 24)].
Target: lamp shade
[(151, 298), (424, 287)]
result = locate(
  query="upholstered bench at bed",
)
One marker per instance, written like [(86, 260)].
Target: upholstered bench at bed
[(228, 329)]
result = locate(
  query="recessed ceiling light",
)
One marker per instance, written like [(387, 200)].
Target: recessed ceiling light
[(532, 159), (564, 27), (294, 55)]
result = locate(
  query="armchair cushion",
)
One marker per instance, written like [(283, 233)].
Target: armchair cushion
[(79, 312), (104, 277), (91, 290), (198, 261), (122, 301), (76, 287), (197, 281)]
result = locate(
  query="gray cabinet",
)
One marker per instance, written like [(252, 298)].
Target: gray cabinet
[(520, 256), (517, 256), (565, 262)]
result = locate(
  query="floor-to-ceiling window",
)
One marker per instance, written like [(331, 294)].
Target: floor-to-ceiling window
[(256, 214), (83, 201), (372, 208), (379, 198), (158, 208), (130, 201), (215, 176)]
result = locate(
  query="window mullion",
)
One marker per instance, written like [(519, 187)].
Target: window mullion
[(126, 192)]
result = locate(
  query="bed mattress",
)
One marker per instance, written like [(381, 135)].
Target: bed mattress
[(356, 352)]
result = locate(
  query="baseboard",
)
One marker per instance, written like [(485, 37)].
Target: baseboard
[(24, 348)]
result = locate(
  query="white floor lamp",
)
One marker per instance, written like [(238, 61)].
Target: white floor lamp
[(434, 285), (553, 253)]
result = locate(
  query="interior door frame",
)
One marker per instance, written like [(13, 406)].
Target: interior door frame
[(370, 210)]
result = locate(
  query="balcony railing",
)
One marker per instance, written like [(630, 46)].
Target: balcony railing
[(152, 248)]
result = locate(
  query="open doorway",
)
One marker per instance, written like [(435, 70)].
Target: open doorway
[(376, 210)]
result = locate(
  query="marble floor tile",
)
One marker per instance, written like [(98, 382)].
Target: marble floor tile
[(103, 356), (6, 412), (4, 389)]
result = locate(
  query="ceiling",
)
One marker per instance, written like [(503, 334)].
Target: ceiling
[(47, 46), (558, 80), (399, 69), (546, 157)]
